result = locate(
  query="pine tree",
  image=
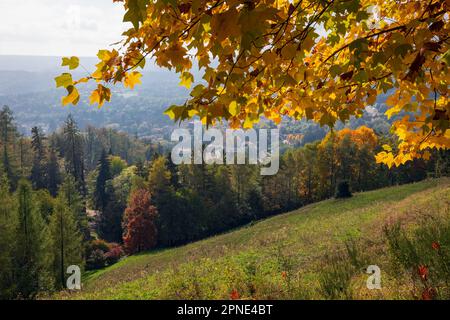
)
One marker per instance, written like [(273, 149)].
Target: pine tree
[(73, 153), (110, 221), (174, 180), (8, 134), (111, 210), (32, 255), (163, 195), (45, 203), (53, 174), (38, 174), (67, 241), (8, 225), (226, 208), (100, 194), (69, 192)]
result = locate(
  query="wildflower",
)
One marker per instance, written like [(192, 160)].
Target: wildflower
[(284, 274), (428, 294), (435, 245), (234, 295), (423, 272)]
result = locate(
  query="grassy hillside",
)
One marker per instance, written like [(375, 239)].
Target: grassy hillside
[(281, 257)]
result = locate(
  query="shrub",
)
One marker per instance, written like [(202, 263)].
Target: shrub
[(96, 260), (100, 254), (114, 254), (343, 190)]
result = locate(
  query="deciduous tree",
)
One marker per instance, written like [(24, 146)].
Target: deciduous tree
[(140, 223), (315, 59)]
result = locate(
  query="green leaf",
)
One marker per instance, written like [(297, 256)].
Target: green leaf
[(198, 89), (361, 76), (403, 49), (335, 70), (64, 80), (137, 12), (446, 57), (175, 112), (327, 120), (72, 62)]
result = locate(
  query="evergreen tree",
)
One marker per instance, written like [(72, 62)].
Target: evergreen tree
[(45, 204), (163, 195), (8, 225), (69, 192), (110, 220), (67, 241), (111, 209), (174, 180), (38, 174), (73, 153), (8, 133), (32, 255), (100, 194), (53, 174), (226, 208)]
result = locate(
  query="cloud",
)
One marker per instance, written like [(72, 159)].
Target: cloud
[(59, 28)]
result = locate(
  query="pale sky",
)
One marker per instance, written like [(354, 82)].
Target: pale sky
[(59, 27)]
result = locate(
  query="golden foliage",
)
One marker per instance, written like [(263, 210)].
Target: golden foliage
[(322, 60)]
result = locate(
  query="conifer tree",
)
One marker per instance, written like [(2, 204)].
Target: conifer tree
[(53, 173), (69, 192), (8, 225), (8, 134), (67, 240), (100, 194), (111, 210), (32, 255), (38, 174), (73, 153), (163, 195)]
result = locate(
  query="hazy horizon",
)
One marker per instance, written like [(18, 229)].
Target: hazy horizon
[(59, 28)]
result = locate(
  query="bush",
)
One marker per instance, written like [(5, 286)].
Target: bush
[(114, 254), (343, 190), (96, 260), (100, 254)]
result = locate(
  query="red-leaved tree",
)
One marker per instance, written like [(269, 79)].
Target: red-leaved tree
[(140, 223)]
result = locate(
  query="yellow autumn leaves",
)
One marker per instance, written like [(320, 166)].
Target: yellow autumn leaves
[(321, 60)]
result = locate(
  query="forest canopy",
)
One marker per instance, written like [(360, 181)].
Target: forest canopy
[(324, 60)]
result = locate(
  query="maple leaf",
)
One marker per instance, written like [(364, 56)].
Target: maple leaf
[(131, 79), (255, 50)]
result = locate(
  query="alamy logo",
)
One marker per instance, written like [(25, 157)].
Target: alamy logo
[(74, 281), (236, 145), (374, 280)]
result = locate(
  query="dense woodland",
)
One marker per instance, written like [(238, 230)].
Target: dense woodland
[(90, 197)]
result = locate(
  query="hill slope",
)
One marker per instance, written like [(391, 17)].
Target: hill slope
[(280, 257)]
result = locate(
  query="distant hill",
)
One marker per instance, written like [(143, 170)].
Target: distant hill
[(277, 258)]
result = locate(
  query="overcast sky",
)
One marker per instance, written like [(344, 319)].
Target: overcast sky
[(59, 27)]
